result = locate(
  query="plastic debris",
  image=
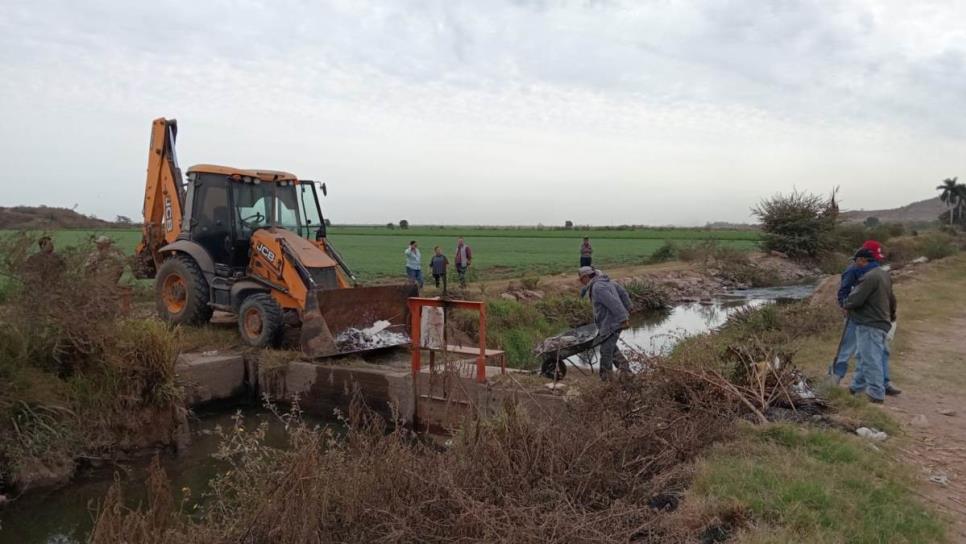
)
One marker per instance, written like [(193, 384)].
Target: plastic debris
[(920, 421), (802, 389), (570, 339), (376, 336), (871, 434)]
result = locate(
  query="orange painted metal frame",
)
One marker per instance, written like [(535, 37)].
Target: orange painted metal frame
[(416, 304)]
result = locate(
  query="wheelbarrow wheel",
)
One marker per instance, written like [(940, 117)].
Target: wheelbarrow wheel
[(552, 366)]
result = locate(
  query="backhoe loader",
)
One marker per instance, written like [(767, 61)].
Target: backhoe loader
[(252, 243)]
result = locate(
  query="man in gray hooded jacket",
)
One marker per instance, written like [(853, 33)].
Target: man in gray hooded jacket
[(611, 310), (872, 305)]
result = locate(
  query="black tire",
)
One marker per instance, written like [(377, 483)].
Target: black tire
[(261, 321), (181, 292), (551, 366)]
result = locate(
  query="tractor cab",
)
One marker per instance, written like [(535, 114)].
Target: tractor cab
[(225, 206)]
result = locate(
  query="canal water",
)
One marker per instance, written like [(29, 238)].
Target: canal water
[(65, 515), (658, 332)]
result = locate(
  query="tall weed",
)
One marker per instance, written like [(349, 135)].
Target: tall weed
[(587, 471)]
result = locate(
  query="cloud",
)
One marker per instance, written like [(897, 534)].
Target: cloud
[(498, 103)]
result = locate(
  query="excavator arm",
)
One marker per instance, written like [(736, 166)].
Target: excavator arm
[(164, 198)]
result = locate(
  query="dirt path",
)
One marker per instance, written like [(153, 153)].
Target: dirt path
[(930, 367)]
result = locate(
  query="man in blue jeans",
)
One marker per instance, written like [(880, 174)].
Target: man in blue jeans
[(872, 307), (847, 345), (611, 311), (414, 267)]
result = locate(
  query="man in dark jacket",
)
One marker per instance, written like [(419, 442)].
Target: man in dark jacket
[(611, 311), (438, 265), (586, 252), (872, 306), (847, 348), (464, 257)]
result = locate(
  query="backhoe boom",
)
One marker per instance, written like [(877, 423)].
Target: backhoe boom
[(163, 198)]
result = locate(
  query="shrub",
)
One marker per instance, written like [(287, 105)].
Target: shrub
[(848, 237), (798, 225), (516, 328), (895, 229), (530, 283), (144, 353), (72, 369), (832, 262), (937, 246), (647, 295), (570, 310), (667, 252), (701, 251)]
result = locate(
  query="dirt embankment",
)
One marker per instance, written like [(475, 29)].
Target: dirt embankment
[(682, 281), (42, 217)]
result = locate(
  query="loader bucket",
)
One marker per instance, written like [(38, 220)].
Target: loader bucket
[(335, 320)]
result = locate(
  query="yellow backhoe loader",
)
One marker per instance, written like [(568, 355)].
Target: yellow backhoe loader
[(253, 243)]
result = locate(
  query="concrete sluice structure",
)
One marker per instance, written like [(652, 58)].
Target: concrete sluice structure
[(440, 398)]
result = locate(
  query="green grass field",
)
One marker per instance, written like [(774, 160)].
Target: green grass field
[(377, 252)]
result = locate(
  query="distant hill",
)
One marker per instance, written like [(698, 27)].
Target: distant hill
[(42, 217), (922, 211)]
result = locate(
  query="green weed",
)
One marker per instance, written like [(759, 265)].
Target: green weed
[(646, 295), (811, 485), (530, 282), (667, 252)]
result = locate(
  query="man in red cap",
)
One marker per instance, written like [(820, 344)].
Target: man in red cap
[(847, 345), (872, 307), (875, 248)]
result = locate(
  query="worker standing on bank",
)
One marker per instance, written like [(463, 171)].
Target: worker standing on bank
[(44, 268), (611, 311), (105, 263), (464, 256), (414, 267), (438, 265), (847, 344), (872, 306), (586, 251)]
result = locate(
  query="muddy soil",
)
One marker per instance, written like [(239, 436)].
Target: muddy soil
[(929, 364), (684, 282), (933, 414)]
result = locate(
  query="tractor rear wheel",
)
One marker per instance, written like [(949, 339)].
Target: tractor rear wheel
[(260, 321), (181, 292)]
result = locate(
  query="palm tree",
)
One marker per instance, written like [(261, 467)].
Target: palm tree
[(951, 195), (961, 199)]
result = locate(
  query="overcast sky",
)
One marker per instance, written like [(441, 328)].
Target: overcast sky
[(491, 112)]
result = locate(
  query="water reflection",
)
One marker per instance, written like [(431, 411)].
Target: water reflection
[(65, 515), (657, 333)]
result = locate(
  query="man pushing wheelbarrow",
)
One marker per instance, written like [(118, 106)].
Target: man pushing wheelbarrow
[(611, 310)]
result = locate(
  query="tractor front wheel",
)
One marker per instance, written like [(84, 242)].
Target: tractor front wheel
[(181, 292), (260, 321)]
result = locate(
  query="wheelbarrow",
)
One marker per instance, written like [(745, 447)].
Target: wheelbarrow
[(555, 350)]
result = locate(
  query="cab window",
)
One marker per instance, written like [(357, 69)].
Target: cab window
[(310, 210)]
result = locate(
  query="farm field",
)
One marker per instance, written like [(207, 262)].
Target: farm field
[(375, 253)]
